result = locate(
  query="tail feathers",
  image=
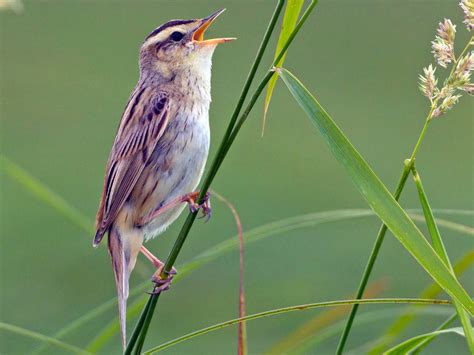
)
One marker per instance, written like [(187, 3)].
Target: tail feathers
[(120, 266), (98, 237)]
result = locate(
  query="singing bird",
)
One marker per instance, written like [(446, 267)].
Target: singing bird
[(160, 148)]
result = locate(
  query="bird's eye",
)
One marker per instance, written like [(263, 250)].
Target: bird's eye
[(177, 36)]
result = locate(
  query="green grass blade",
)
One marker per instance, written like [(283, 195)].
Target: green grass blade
[(308, 345), (438, 246), (444, 223), (41, 337), (253, 235), (315, 325), (411, 344), (292, 12), (428, 340), (46, 195), (402, 323), (376, 194), (301, 307)]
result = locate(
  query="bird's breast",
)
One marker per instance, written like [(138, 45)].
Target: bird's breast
[(176, 165)]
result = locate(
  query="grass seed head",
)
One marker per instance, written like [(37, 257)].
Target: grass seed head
[(467, 7), (428, 82), (443, 45)]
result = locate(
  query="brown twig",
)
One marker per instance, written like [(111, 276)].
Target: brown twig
[(241, 346)]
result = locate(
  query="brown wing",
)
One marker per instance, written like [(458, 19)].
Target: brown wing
[(143, 122)]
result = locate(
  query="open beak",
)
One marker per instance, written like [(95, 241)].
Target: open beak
[(198, 35)]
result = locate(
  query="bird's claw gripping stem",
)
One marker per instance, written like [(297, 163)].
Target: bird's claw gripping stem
[(205, 206), (162, 284)]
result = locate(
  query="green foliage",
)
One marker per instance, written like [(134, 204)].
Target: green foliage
[(42, 338), (435, 260), (302, 307), (411, 344), (292, 12), (375, 193), (438, 246)]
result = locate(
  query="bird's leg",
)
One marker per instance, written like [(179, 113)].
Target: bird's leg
[(205, 205), (190, 198), (161, 284)]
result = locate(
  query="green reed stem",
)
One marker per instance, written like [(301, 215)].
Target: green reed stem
[(141, 329), (138, 327), (383, 229), (261, 86), (226, 143)]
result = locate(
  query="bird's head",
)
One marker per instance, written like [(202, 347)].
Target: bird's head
[(179, 46)]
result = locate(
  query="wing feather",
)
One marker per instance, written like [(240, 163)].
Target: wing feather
[(143, 122)]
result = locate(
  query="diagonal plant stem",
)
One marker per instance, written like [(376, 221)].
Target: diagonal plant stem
[(276, 227), (381, 235), (139, 333), (439, 247), (252, 236), (383, 229)]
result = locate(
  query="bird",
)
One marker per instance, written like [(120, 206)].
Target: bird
[(160, 148)]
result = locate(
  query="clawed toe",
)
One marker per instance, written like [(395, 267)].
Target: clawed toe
[(162, 284), (205, 206)]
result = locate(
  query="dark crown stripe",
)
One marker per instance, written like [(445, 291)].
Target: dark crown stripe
[(168, 24)]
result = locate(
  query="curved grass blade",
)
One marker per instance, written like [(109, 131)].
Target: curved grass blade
[(314, 326), (440, 249), (292, 12), (428, 340), (402, 323), (41, 337), (411, 344), (46, 195), (309, 345), (376, 194), (292, 309), (251, 236)]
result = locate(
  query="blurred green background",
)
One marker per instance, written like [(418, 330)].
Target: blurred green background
[(67, 68)]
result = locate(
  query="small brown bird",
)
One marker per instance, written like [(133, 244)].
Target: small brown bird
[(161, 146)]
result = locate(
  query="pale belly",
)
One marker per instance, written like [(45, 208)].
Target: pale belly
[(178, 163)]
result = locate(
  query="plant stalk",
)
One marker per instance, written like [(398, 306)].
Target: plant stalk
[(383, 229), (381, 235), (229, 137)]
